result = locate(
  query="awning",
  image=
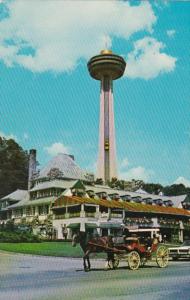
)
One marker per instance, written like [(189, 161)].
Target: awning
[(110, 225), (91, 225), (74, 225)]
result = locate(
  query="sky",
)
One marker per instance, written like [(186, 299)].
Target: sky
[(49, 102)]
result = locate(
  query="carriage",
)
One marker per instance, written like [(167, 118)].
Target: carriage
[(129, 249), (136, 254)]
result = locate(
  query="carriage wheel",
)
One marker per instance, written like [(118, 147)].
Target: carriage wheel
[(109, 265), (116, 262), (112, 265), (143, 261), (162, 256), (134, 260)]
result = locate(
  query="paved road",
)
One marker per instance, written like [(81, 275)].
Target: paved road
[(25, 277)]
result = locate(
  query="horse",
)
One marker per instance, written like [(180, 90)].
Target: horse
[(94, 245)]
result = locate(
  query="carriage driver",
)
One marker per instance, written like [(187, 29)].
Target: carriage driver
[(152, 242)]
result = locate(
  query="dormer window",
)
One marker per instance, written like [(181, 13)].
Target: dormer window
[(114, 196), (126, 198), (168, 203), (158, 202), (148, 201), (137, 199), (91, 194), (104, 195)]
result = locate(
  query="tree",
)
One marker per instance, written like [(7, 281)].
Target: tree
[(153, 188), (99, 181), (113, 183), (175, 190), (13, 167)]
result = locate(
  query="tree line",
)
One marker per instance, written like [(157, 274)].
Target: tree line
[(13, 167)]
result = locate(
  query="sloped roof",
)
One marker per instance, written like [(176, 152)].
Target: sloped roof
[(132, 207), (141, 191), (66, 165), (102, 188), (187, 199), (64, 184), (22, 202), (16, 195), (27, 202)]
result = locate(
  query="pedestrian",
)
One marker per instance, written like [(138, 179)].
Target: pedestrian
[(65, 232)]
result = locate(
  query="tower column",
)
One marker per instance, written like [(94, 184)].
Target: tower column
[(106, 85), (106, 67)]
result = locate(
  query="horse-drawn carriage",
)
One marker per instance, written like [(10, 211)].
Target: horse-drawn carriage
[(128, 249), (136, 254)]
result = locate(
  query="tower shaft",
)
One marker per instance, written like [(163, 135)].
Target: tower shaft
[(106, 168), (106, 67)]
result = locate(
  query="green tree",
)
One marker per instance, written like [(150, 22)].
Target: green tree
[(153, 188), (99, 181), (175, 190), (113, 183), (13, 167)]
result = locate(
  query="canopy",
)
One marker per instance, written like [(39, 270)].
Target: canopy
[(74, 225)]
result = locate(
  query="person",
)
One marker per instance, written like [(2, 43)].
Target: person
[(125, 232), (149, 243), (154, 240), (64, 232)]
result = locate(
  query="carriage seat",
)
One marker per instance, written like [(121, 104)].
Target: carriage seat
[(118, 240)]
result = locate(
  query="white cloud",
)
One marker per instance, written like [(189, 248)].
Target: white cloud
[(124, 163), (183, 180), (62, 32), (8, 136), (56, 148), (170, 33), (137, 173), (147, 61)]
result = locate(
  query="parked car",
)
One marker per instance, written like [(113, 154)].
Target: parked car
[(182, 251)]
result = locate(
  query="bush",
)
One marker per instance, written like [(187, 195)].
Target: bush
[(18, 237)]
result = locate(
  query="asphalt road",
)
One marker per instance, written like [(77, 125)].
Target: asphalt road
[(26, 277)]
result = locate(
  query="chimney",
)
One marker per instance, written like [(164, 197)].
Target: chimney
[(31, 166)]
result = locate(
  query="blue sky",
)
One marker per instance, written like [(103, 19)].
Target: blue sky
[(49, 102)]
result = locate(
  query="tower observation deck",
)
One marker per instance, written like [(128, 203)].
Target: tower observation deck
[(106, 67)]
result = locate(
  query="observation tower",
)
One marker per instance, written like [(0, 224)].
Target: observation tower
[(106, 67)]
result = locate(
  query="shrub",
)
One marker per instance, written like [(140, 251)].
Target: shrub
[(18, 237)]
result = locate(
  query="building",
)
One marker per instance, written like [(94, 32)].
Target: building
[(66, 195), (106, 67)]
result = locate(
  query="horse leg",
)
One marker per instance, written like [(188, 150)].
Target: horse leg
[(86, 258), (84, 263), (110, 259)]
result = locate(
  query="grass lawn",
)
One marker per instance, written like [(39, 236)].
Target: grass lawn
[(44, 248), (49, 249)]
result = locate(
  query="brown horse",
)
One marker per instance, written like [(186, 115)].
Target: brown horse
[(94, 245)]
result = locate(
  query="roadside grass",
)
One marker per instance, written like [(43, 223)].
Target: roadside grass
[(59, 249), (44, 248)]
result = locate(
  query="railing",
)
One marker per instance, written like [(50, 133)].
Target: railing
[(75, 215), (59, 217), (186, 225), (116, 216), (90, 214)]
